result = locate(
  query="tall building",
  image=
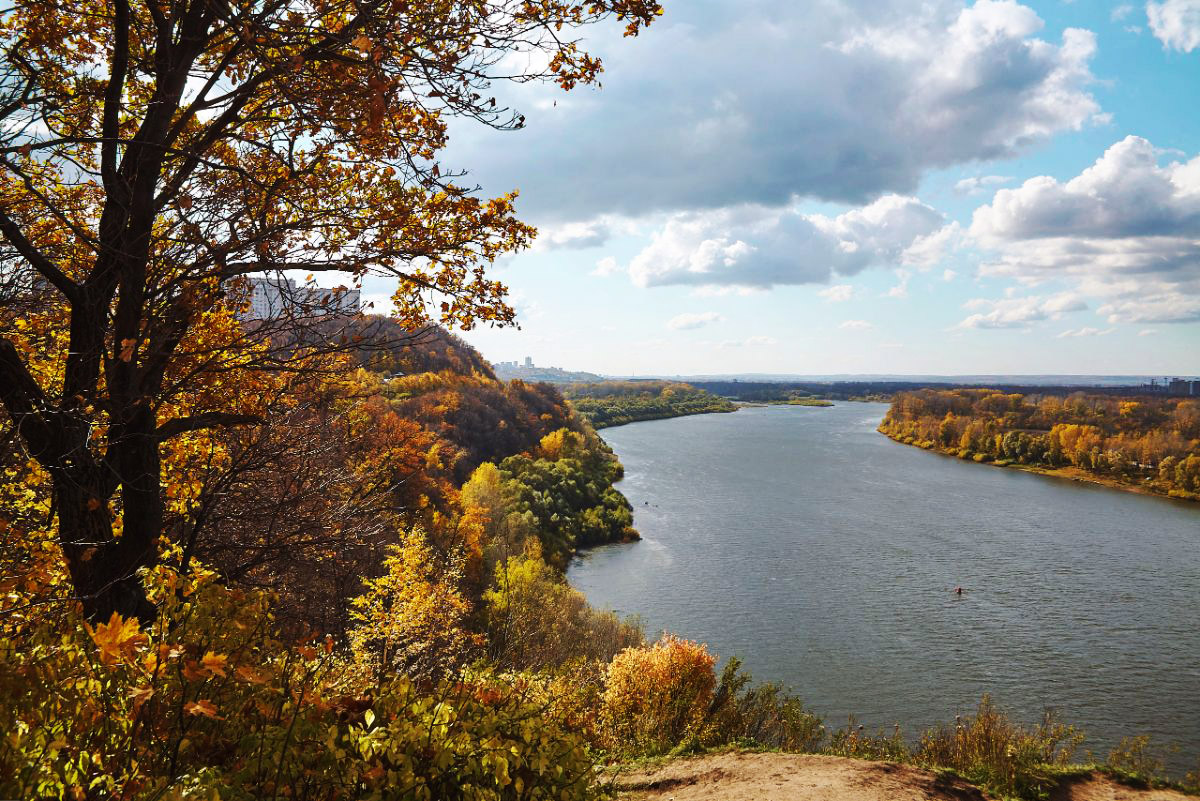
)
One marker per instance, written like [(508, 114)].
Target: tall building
[(274, 297), (529, 361)]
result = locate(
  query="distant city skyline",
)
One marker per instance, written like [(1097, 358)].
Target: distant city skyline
[(907, 187)]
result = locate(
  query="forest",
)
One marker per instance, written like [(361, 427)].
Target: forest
[(1149, 442), (615, 403)]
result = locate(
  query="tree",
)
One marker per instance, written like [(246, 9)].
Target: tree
[(154, 154)]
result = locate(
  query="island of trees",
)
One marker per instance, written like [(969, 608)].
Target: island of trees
[(1150, 443), (614, 403)]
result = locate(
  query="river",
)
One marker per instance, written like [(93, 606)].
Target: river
[(825, 556)]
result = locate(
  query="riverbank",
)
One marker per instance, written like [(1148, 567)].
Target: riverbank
[(741, 776), (1066, 473)]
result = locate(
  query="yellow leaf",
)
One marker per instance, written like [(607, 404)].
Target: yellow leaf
[(117, 638), (214, 663)]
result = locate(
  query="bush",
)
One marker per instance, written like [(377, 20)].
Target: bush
[(656, 696), (856, 742), (208, 704), (1134, 758), (535, 620), (993, 752), (764, 715)]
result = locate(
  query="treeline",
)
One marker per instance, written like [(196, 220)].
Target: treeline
[(614, 403), (1149, 441)]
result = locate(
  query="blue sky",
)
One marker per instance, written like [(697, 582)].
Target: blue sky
[(882, 186)]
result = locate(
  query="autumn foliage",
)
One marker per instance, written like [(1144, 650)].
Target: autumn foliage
[(1150, 441)]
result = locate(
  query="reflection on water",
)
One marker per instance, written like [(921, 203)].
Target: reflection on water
[(825, 556)]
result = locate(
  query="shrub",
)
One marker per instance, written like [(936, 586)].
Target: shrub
[(763, 714), (536, 620), (856, 742), (656, 696), (1136, 759), (993, 752), (208, 704)]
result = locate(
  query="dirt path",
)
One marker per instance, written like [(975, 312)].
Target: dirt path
[(802, 777)]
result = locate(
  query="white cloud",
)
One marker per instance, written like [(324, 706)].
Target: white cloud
[(573, 235), (1169, 307), (759, 247), (685, 322), (900, 290), (1175, 23), (1121, 12), (979, 184), (932, 249), (1147, 332), (1085, 332), (607, 266), (860, 99), (839, 293), (1125, 231), (949, 275), (1019, 312), (856, 325)]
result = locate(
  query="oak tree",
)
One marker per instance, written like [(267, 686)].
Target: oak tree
[(155, 154)]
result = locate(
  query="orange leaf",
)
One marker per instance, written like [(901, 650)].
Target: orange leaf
[(202, 707), (127, 349), (250, 675)]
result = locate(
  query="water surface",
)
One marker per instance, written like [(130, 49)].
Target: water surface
[(824, 555)]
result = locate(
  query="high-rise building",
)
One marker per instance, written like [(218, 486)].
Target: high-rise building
[(273, 297), (529, 361)]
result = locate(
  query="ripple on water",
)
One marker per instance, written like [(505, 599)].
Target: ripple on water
[(824, 555)]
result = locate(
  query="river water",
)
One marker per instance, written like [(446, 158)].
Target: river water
[(825, 556)]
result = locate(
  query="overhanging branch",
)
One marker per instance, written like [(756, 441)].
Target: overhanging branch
[(204, 420), (12, 233)]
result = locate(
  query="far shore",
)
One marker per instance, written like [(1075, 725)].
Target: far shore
[(1066, 473)]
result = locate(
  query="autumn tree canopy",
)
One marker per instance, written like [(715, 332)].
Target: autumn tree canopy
[(153, 154)]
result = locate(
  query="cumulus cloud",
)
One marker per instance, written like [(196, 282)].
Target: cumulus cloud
[(1175, 23), (1019, 312), (949, 275), (761, 247), (1126, 231), (777, 101), (686, 322), (856, 325), (839, 293)]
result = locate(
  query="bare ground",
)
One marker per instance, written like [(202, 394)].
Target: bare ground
[(804, 777)]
